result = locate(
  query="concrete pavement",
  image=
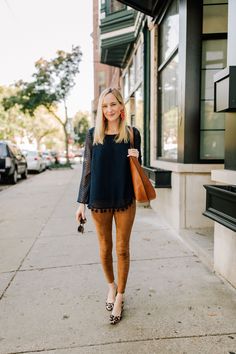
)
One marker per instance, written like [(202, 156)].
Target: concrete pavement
[(52, 290)]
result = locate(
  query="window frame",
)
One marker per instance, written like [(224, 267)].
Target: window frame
[(160, 69), (207, 37)]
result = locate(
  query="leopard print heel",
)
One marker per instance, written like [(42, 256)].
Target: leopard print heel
[(116, 319), (109, 306)]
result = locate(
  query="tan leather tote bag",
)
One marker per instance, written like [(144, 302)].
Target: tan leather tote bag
[(143, 189)]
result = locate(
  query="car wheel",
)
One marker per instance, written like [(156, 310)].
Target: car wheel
[(13, 177), (25, 174)]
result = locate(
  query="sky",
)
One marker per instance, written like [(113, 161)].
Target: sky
[(31, 29)]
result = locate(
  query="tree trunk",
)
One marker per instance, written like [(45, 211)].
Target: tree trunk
[(66, 143), (66, 134)]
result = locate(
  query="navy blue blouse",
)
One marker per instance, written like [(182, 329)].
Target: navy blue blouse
[(106, 179)]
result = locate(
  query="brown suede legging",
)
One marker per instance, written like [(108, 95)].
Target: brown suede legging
[(123, 221)]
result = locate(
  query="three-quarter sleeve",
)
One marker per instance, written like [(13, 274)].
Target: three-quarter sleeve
[(137, 143), (83, 196)]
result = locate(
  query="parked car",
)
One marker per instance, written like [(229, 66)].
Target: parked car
[(12, 162), (48, 158), (62, 158), (35, 161)]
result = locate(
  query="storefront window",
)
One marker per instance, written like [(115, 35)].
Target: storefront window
[(139, 111), (168, 100), (127, 107), (209, 119), (212, 124), (169, 32), (212, 145), (133, 90), (168, 84), (126, 85), (131, 77), (139, 64)]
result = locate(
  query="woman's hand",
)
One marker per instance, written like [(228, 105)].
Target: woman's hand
[(80, 212), (133, 152)]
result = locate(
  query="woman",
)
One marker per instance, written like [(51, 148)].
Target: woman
[(106, 187)]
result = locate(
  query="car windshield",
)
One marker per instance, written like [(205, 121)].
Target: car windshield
[(3, 150)]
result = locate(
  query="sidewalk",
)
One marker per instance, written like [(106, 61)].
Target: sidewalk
[(52, 290)]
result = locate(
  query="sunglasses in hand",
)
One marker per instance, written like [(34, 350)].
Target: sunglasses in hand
[(81, 225)]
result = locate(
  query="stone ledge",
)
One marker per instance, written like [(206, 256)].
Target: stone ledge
[(186, 168), (224, 176)]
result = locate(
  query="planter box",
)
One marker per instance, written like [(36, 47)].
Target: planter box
[(160, 178), (221, 205)]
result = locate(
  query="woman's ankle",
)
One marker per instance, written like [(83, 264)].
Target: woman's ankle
[(112, 285), (119, 297)]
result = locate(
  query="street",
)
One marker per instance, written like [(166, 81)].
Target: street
[(52, 289)]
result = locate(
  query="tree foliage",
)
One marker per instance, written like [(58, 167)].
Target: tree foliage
[(81, 126), (13, 121), (42, 126), (51, 84)]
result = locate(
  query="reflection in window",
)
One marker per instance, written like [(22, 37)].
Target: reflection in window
[(207, 84), (130, 110), (215, 18), (3, 150), (212, 144), (139, 111), (168, 97), (169, 32), (131, 77), (212, 124), (214, 54), (139, 64), (127, 107), (209, 118), (126, 85)]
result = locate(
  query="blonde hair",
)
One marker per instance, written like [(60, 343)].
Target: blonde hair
[(101, 124)]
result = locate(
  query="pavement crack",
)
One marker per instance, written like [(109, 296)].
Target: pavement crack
[(58, 267), (96, 263), (123, 342)]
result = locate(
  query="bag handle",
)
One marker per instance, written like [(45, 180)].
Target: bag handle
[(131, 137)]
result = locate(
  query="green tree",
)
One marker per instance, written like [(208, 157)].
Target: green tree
[(12, 122), (42, 126), (50, 86), (81, 126)]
